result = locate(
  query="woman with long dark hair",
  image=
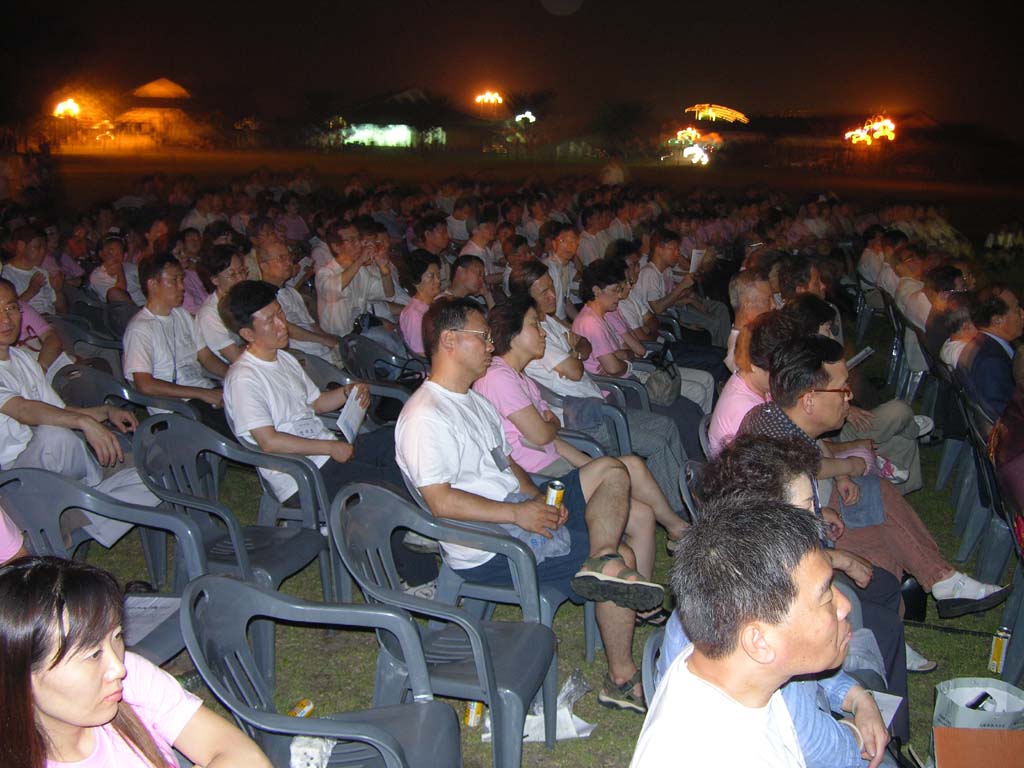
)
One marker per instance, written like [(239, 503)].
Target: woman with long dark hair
[(71, 695)]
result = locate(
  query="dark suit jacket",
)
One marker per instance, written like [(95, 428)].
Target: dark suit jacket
[(989, 374)]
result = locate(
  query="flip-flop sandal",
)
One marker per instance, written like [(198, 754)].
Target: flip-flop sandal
[(634, 593), (621, 696), (657, 619)]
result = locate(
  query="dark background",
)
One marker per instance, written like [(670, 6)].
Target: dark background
[(290, 60)]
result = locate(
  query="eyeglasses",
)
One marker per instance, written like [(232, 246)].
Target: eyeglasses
[(488, 339), (846, 391)]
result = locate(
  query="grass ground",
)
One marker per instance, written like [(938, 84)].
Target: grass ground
[(335, 670)]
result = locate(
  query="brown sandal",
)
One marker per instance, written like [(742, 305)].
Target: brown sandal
[(626, 587)]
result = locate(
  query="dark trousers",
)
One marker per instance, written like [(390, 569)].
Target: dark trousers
[(880, 604), (213, 418), (703, 357), (687, 415), (374, 462)]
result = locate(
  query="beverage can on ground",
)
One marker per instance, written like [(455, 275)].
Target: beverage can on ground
[(1000, 641), (302, 709), (474, 713)]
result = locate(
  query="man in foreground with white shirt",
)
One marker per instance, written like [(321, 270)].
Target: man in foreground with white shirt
[(756, 598)]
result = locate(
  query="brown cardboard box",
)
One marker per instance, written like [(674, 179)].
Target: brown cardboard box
[(971, 747)]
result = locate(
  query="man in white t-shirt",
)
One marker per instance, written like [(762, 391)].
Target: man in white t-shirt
[(276, 267), (38, 430), (452, 448), (113, 280), (35, 286), (162, 353), (657, 286), (590, 247), (346, 286), (272, 402), (458, 221), (561, 263), (756, 599)]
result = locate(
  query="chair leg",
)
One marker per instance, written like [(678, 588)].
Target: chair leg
[(864, 315), (951, 450), (1013, 664), (977, 524), (154, 552), (968, 496), (389, 680), (913, 385), (507, 721), (994, 552)]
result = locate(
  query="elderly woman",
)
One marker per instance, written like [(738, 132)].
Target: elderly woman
[(420, 276), (531, 426), (74, 696)]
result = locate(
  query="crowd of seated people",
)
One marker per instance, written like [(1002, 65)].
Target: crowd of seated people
[(533, 309)]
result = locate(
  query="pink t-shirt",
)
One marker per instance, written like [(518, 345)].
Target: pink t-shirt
[(509, 392), (32, 327), (10, 538), (161, 704), (734, 403), (602, 337), (195, 292), (410, 321)]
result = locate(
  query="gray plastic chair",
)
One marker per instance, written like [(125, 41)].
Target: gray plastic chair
[(689, 487), (83, 386), (614, 419), (371, 361), (702, 433), (36, 500), (503, 664), (176, 459), (217, 611), (652, 649), (79, 339)]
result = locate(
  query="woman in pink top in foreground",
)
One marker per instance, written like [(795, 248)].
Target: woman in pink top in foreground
[(73, 697)]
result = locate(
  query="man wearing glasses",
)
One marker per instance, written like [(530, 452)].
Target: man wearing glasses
[(452, 448), (346, 286)]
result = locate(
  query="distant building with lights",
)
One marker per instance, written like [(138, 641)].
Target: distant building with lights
[(160, 112)]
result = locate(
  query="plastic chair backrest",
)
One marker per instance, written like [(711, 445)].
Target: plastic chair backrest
[(689, 487), (702, 434)]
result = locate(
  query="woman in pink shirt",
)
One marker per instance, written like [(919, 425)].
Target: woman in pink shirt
[(74, 697), (420, 275), (613, 347), (531, 427), (746, 389)]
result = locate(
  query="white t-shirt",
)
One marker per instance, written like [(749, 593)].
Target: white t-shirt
[(633, 309), (556, 352), (44, 300), (165, 347), (296, 313), (20, 376), (278, 394), (590, 248), (650, 285), (484, 254), (563, 277), (101, 282), (457, 229), (210, 328), (338, 307), (691, 722), (447, 437)]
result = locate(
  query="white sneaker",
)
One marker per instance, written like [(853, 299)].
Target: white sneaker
[(918, 663), (959, 594), (427, 591), (924, 426)]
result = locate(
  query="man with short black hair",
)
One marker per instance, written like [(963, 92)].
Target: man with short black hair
[(38, 288), (358, 275), (758, 610), (468, 281)]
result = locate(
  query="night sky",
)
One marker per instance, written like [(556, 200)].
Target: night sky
[(957, 64)]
